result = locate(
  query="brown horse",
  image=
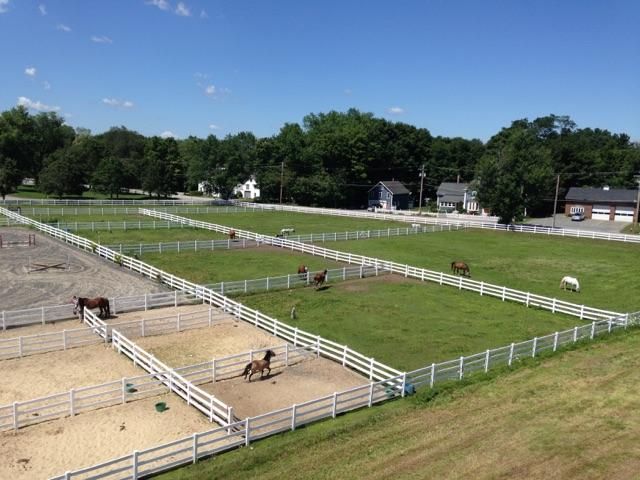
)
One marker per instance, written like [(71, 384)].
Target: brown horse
[(259, 365), (302, 271), (460, 267), (319, 278), (80, 303), (232, 234)]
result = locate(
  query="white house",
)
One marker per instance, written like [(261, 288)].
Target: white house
[(248, 189), (453, 195)]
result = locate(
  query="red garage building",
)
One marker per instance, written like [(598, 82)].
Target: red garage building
[(606, 203)]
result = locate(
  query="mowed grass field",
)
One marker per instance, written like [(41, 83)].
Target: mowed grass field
[(572, 416), (149, 235), (608, 271), (407, 324), (270, 223), (240, 264)]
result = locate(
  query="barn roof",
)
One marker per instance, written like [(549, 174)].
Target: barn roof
[(394, 187), (613, 195), (452, 192)]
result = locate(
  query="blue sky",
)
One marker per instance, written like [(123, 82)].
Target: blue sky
[(458, 68)]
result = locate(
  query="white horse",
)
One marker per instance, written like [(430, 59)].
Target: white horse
[(570, 282)]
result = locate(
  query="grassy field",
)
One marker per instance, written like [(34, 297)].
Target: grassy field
[(148, 235), (571, 416), (608, 271), (270, 223), (240, 264), (406, 323)]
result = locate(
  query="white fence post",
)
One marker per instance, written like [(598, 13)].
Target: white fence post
[(247, 432), (511, 354), (555, 341), (293, 416), (535, 346), (404, 384), (575, 334), (195, 448), (334, 407), (134, 465), (175, 298), (433, 375), (213, 370), (593, 329), (344, 356), (72, 411), (486, 361), (461, 368), (210, 315), (15, 415), (371, 394), (124, 390)]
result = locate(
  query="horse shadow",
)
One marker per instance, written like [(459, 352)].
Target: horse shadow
[(323, 288), (270, 376)]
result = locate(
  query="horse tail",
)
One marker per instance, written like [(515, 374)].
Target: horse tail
[(107, 307), (247, 369)]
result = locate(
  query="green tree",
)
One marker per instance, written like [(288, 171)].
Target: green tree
[(62, 175), (160, 158), (109, 177), (10, 176)]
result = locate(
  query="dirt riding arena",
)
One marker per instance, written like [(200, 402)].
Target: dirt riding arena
[(308, 380), (54, 372), (226, 337), (63, 271), (51, 448)]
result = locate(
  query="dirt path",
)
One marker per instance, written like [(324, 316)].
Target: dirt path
[(86, 275)]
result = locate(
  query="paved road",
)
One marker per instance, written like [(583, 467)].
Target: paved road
[(563, 221)]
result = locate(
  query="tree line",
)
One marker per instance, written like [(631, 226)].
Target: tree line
[(330, 159)]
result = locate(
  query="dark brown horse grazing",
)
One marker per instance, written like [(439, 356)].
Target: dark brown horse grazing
[(80, 303), (232, 234), (460, 267), (319, 278), (259, 365)]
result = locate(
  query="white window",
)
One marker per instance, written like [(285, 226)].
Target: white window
[(577, 210)]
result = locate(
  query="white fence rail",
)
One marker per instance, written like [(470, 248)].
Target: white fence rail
[(100, 211), (111, 225), (483, 361), (79, 400), (52, 201), (46, 314), (190, 449), (47, 342), (529, 299)]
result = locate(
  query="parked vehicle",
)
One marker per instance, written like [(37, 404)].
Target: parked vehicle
[(577, 217)]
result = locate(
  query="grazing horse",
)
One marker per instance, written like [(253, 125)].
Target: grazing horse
[(232, 234), (259, 365), (319, 278), (460, 267), (80, 303), (571, 282)]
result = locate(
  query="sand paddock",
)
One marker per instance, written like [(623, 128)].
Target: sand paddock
[(227, 337), (285, 386), (54, 372), (51, 448), (88, 275)]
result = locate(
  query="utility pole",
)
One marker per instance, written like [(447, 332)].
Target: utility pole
[(555, 203), (637, 213), (281, 179), (421, 187)]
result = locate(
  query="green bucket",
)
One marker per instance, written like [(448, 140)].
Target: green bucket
[(130, 388), (161, 407)]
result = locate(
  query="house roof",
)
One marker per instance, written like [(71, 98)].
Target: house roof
[(394, 187), (452, 192), (613, 195)]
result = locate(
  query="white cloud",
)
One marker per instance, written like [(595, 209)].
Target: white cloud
[(214, 127), (161, 4), (61, 27), (114, 102), (396, 110), (167, 134), (31, 71), (203, 14), (3, 6), (46, 85), (43, 9), (102, 39), (210, 90), (39, 106), (182, 10)]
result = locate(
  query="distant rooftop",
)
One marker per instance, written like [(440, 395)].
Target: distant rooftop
[(612, 195)]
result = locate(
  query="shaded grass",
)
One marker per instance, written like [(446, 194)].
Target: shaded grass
[(128, 237), (241, 264), (608, 271), (570, 416), (408, 324)]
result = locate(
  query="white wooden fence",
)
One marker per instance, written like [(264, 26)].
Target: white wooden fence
[(110, 225), (80, 400), (52, 201), (101, 211), (195, 447), (529, 299), (23, 346), (46, 314)]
